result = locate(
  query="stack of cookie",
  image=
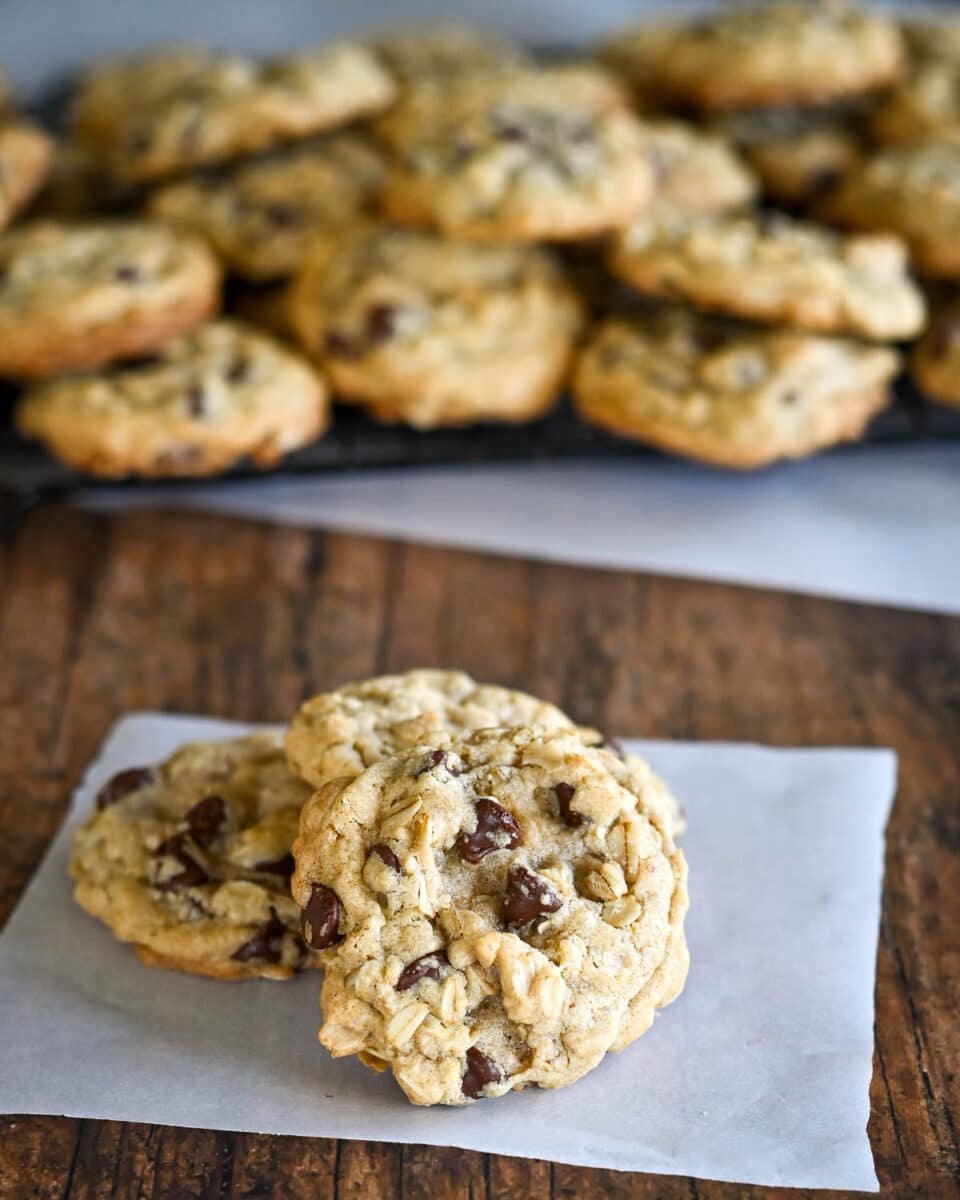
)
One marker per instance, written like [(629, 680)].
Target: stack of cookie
[(493, 893), (439, 228)]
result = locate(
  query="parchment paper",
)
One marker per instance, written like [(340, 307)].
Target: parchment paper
[(759, 1072)]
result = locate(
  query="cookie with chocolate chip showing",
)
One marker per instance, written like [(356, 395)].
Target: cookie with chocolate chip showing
[(26, 158), (78, 296), (763, 55), (262, 217), (695, 172), (550, 154), (190, 860), (799, 154), (935, 361), (495, 917), (771, 268), (342, 732), (433, 333), (208, 399), (913, 193), (155, 115), (728, 393)]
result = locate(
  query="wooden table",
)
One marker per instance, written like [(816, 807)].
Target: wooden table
[(103, 614)]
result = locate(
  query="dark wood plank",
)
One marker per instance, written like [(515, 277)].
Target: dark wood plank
[(99, 615)]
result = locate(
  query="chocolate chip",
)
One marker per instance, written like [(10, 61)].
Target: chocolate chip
[(823, 180), (386, 856), (479, 1072), (266, 943), (496, 829), (342, 346), (278, 866), (205, 818), (511, 132), (526, 897), (191, 873), (436, 758), (195, 400), (138, 140), (320, 919), (125, 783), (382, 322), (564, 793), (238, 370), (429, 965), (127, 273), (283, 216)]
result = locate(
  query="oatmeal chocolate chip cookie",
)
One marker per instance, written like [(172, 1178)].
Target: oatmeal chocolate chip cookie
[(219, 394), (771, 268), (935, 362), (155, 115), (262, 217), (798, 153), (728, 393), (549, 154), (762, 55), (495, 915), (343, 732), (913, 193), (77, 296), (26, 157), (695, 172), (431, 332), (190, 860)]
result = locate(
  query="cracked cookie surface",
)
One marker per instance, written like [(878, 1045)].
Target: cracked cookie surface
[(432, 332), (494, 915), (772, 268), (190, 860), (207, 399), (78, 296), (728, 393)]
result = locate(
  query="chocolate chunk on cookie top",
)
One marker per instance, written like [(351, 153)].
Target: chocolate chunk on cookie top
[(181, 860), (475, 938)]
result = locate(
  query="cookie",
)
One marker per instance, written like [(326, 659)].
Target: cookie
[(161, 113), (207, 400), (434, 333), (799, 154), (494, 915), (343, 732), (771, 268), (261, 217), (935, 361), (695, 172), (913, 193), (190, 861), (763, 55), (78, 296), (727, 393), (925, 107), (549, 154), (26, 157)]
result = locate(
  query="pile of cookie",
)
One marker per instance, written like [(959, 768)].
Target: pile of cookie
[(493, 893), (435, 226)]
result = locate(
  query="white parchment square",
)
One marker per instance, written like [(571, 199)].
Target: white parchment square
[(759, 1073)]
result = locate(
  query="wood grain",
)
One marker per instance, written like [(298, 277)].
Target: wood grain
[(103, 614)]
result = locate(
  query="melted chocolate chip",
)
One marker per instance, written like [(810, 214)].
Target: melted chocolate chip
[(191, 873), (266, 943), (283, 216), (342, 346), (127, 273), (526, 897), (320, 919), (386, 856), (138, 140), (436, 758), (429, 965), (564, 793), (479, 1072), (823, 180), (382, 323), (278, 866), (238, 370), (125, 783), (496, 829), (205, 818), (195, 400)]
